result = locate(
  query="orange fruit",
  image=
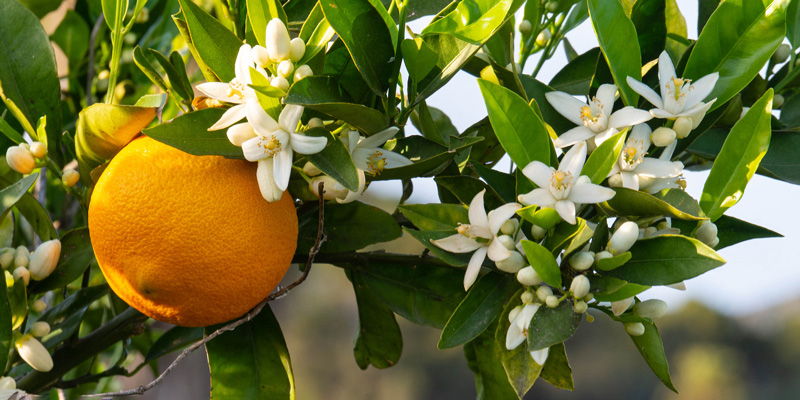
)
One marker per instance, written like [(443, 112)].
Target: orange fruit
[(186, 239)]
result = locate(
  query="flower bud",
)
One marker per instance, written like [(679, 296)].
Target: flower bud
[(778, 100), (310, 169), (512, 264), (39, 306), (40, 329), (580, 307), (70, 177), (509, 227), (619, 307), (707, 232), (551, 301), (506, 241), (527, 297), (240, 133), (663, 136), (537, 232), (615, 180), (781, 54), (298, 49), (581, 260), (653, 309), (315, 123), (22, 272), (21, 256), (512, 315), (302, 72), (579, 286), (551, 6), (278, 42), (39, 150), (543, 292), (45, 259), (634, 328), (285, 68), (7, 257), (280, 83), (623, 238), (601, 255), (20, 159), (329, 191), (525, 27), (8, 383), (528, 276), (34, 353), (260, 56), (682, 127), (543, 38), (649, 232)]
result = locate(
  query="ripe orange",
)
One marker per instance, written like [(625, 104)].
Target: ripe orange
[(187, 239)]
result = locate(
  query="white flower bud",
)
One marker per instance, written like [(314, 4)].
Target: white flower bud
[(778, 100), (551, 301), (280, 83), (260, 56), (525, 27), (21, 256), (512, 264), (45, 259), (40, 329), (663, 136), (285, 68), (527, 297), (509, 227), (20, 159), (302, 72), (580, 307), (543, 292), (619, 307), (22, 272), (315, 123), (601, 255), (528, 276), (682, 127), (707, 232), (537, 232), (310, 169), (70, 177), (512, 315), (278, 41), (240, 133), (506, 241), (8, 382), (298, 49), (581, 260), (678, 286), (623, 238), (653, 309), (781, 54), (579, 286), (34, 353), (39, 150), (634, 328), (39, 306), (543, 38), (7, 257), (615, 180)]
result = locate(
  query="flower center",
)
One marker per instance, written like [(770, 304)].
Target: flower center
[(634, 152), (561, 180), (677, 87), (376, 163), (235, 88), (271, 145), (587, 116)]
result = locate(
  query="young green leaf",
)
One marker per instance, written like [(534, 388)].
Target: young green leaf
[(418, 57), (648, 17), (11, 194), (551, 326), (472, 21), (18, 302), (316, 33), (603, 159), (614, 32), (189, 133), (216, 46), (544, 263), (435, 217)]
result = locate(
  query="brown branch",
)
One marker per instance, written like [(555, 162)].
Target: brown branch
[(233, 325)]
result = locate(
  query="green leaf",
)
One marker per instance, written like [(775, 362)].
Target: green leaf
[(518, 364), (483, 358), (608, 264), (737, 41), (619, 290), (41, 7), (316, 33), (114, 13), (738, 160), (677, 31), (425, 237), (259, 13), (521, 132), (147, 68), (731, 231), (557, 371), (793, 24), (576, 77), (5, 325), (189, 133), (667, 259), (183, 28), (174, 339), (216, 46), (76, 255), (614, 32), (251, 361), (334, 160), (369, 41), (175, 77), (472, 21), (651, 27), (326, 95), (628, 202), (418, 57), (563, 234), (652, 349), (65, 317), (603, 159), (465, 188), (434, 124), (10, 132), (10, 195), (551, 326), (428, 156), (72, 36), (345, 225), (379, 341), (435, 217), (29, 83), (680, 200), (502, 183), (544, 263), (18, 303), (481, 307)]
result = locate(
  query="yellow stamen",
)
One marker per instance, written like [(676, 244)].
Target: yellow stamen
[(561, 180), (376, 163), (586, 115), (235, 88)]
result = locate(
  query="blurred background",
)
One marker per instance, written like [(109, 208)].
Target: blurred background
[(733, 334)]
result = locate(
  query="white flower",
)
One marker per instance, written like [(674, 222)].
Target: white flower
[(595, 119), (274, 144), (518, 333), (562, 188), (479, 236), (236, 91), (679, 97), (639, 172)]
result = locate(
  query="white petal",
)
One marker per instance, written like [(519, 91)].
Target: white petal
[(630, 180), (219, 91), (514, 336), (667, 153), (700, 90), (661, 113), (619, 307), (240, 133), (572, 136), (628, 116), (379, 138), (308, 144), (574, 159), (498, 252), (603, 136), (500, 215), (457, 244), (290, 117), (697, 112), (645, 92), (230, 117), (360, 158), (243, 64), (655, 168), (252, 149), (477, 214), (666, 72), (566, 209), (540, 356), (538, 173), (566, 105), (540, 197), (266, 181), (283, 168), (474, 267), (589, 193), (606, 94), (261, 121), (352, 196), (394, 160)]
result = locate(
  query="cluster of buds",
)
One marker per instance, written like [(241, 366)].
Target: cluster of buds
[(27, 266), (707, 233), (281, 55), (22, 158)]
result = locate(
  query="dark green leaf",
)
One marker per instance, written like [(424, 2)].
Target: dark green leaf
[(334, 160), (215, 44), (251, 362), (5, 324), (704, 10), (72, 36), (557, 371), (147, 68), (614, 32), (174, 339), (10, 132), (425, 237), (10, 195), (65, 317), (428, 157), (576, 77), (652, 350), (465, 188), (189, 133), (680, 200), (551, 326), (175, 78), (316, 33), (544, 263), (435, 217), (628, 202), (502, 183), (667, 259), (260, 12), (345, 225), (792, 23), (731, 231), (491, 381), (603, 159), (677, 35), (651, 27), (76, 255), (379, 341)]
